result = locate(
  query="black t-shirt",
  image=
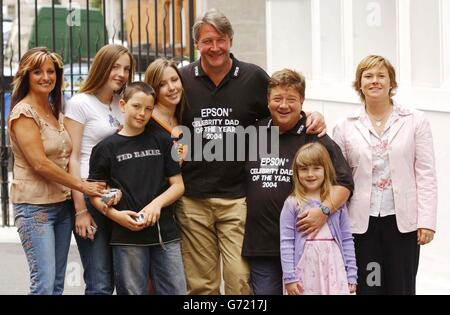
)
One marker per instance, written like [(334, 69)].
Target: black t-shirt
[(269, 184), (139, 166), (212, 114)]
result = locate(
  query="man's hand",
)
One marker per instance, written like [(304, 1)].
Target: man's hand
[(315, 124), (311, 221)]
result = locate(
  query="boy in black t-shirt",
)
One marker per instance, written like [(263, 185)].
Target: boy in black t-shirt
[(144, 235)]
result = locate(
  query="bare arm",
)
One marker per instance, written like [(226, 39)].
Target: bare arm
[(30, 143), (125, 218), (83, 220), (312, 220)]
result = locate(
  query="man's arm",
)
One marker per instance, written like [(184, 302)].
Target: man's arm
[(315, 124), (312, 220)]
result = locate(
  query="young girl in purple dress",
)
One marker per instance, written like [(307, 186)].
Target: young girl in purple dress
[(323, 263)]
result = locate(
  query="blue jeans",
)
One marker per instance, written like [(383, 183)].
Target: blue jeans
[(134, 264), (45, 232), (96, 256)]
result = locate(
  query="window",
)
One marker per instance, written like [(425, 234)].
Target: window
[(326, 39)]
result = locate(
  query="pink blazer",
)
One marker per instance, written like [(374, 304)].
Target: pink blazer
[(412, 170)]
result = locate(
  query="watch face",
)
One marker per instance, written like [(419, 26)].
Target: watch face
[(325, 210)]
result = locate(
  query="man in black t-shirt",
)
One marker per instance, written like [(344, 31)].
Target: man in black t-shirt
[(223, 94), (269, 182)]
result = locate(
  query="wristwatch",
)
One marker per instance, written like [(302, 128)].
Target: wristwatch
[(325, 209)]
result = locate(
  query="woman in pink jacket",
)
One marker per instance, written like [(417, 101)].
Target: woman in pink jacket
[(393, 208)]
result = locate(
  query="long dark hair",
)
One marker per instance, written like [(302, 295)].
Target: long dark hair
[(31, 60)]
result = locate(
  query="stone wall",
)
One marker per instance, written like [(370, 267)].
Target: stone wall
[(249, 23)]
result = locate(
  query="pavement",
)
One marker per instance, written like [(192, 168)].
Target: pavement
[(433, 276), (14, 275)]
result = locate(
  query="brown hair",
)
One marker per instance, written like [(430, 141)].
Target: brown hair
[(370, 62), (31, 60), (101, 68), (309, 154), (153, 76), (217, 20), (136, 87), (287, 78)]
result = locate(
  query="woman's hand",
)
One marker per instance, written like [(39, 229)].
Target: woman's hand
[(315, 124), (93, 189), (424, 236)]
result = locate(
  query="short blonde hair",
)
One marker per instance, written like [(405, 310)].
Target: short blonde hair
[(368, 63)]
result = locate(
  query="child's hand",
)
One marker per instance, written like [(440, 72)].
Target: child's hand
[(127, 219), (152, 213), (352, 288), (294, 288)]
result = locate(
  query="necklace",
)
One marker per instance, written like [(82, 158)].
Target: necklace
[(170, 121), (45, 113), (379, 121), (108, 104)]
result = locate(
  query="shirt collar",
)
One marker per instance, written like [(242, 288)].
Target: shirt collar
[(233, 73), (397, 109), (297, 129)]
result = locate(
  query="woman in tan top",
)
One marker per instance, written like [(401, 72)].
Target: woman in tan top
[(40, 191)]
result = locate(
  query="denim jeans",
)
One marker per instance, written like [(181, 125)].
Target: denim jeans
[(96, 256), (45, 232), (134, 264)]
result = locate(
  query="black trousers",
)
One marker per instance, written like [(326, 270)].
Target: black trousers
[(387, 260), (266, 275)]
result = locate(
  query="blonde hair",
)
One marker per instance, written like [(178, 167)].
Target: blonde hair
[(309, 154), (370, 62), (154, 75), (31, 60), (101, 68)]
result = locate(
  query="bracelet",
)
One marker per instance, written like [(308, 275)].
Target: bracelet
[(77, 213)]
